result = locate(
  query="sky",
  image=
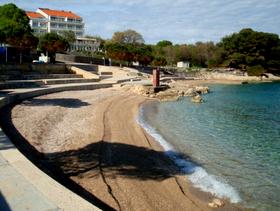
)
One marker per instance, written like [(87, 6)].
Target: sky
[(180, 21)]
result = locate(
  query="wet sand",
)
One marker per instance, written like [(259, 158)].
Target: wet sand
[(92, 136)]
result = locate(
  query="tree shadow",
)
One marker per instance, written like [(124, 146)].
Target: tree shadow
[(63, 102), (117, 160)]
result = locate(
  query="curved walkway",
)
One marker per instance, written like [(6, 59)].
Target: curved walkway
[(23, 186)]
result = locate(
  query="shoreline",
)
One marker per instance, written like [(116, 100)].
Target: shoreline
[(112, 177), (192, 170), (227, 81)]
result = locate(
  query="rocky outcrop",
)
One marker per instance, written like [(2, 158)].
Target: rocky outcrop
[(216, 203), (202, 89), (229, 76), (173, 91), (139, 89), (197, 99), (168, 95), (232, 76)]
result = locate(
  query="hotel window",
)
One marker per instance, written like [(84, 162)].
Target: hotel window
[(62, 26), (43, 24), (35, 24)]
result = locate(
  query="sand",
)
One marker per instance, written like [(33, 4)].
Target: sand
[(93, 137)]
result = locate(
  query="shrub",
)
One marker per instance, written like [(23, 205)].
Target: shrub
[(256, 70)]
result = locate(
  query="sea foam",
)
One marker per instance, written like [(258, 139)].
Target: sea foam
[(196, 174)]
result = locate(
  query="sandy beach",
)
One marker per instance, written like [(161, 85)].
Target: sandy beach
[(93, 137)]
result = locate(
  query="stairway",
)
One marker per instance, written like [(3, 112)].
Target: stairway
[(14, 80)]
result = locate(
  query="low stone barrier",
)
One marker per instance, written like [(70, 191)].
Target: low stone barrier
[(84, 73), (40, 68)]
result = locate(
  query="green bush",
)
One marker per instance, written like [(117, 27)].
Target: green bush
[(256, 70), (159, 61)]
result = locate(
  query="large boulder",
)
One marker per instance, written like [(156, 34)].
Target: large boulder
[(139, 89), (202, 89), (190, 92), (197, 99), (216, 203), (168, 95)]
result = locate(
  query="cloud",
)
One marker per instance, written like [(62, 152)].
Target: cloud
[(181, 21)]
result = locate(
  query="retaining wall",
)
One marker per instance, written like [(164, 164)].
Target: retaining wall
[(79, 59), (40, 68)]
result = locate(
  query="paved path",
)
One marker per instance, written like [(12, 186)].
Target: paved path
[(25, 187)]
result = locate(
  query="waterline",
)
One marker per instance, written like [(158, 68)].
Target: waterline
[(196, 174)]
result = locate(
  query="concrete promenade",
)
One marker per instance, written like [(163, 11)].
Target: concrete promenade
[(23, 186)]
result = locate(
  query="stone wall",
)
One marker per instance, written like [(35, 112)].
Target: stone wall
[(79, 59), (40, 68)]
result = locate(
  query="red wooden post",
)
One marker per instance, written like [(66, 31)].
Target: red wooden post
[(155, 78)]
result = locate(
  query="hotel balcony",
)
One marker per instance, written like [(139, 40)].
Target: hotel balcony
[(64, 20)]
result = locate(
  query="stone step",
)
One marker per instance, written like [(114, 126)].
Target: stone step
[(68, 81), (50, 76), (102, 77), (17, 84), (10, 72), (106, 73), (37, 76), (89, 68), (4, 77), (122, 80)]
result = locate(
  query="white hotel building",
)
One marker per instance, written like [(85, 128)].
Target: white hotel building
[(47, 20)]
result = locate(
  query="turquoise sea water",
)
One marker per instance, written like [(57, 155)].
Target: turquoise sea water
[(233, 139)]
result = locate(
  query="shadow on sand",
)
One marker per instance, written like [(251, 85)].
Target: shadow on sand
[(117, 160), (63, 102)]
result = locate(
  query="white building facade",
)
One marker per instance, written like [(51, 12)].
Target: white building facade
[(38, 22), (183, 64), (85, 44), (45, 20)]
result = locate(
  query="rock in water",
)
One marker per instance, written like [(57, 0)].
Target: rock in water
[(197, 99), (167, 95), (216, 203), (181, 93), (202, 89), (190, 92)]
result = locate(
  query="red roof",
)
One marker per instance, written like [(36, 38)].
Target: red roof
[(34, 15), (60, 13)]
